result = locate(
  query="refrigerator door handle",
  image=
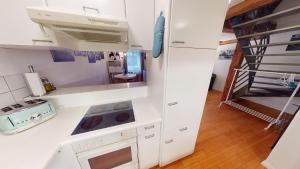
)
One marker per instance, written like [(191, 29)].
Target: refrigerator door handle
[(180, 42)]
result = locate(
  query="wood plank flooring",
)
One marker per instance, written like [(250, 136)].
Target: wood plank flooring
[(228, 139)]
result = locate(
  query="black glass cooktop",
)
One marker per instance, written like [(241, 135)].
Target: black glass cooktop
[(107, 115)]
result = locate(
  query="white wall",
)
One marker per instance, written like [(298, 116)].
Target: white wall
[(285, 154), (61, 74), (221, 67), (13, 63)]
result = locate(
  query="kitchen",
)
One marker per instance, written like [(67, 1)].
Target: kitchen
[(92, 120)]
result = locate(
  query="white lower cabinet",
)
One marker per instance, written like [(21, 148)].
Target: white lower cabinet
[(148, 146), (188, 76), (178, 143)]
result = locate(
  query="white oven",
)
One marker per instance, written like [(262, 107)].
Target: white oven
[(119, 151)]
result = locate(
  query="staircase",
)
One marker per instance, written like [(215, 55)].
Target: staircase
[(265, 68)]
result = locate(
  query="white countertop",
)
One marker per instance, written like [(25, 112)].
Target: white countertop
[(33, 148), (96, 94), (94, 88)]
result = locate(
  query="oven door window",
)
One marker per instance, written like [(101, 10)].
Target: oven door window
[(119, 155), (112, 159)]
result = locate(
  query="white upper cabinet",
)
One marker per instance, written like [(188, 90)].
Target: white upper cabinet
[(112, 8), (197, 23), (17, 28), (140, 16)]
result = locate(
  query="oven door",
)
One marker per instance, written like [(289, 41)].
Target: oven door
[(122, 155)]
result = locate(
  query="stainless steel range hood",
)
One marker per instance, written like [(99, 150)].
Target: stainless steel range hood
[(90, 28)]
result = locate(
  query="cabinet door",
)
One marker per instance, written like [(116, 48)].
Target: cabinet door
[(177, 145), (140, 16), (112, 8), (69, 5), (196, 23), (188, 77), (148, 144), (17, 28)]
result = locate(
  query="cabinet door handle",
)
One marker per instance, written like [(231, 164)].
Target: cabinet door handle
[(136, 46), (172, 103), (176, 41), (150, 136), (42, 40), (86, 7), (183, 129), (149, 127), (169, 141)]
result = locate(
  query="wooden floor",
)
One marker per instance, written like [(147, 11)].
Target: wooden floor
[(228, 139)]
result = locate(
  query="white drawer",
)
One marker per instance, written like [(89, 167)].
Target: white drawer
[(148, 128), (177, 144), (148, 151)]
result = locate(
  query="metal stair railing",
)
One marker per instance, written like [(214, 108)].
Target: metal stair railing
[(271, 120), (254, 39), (273, 16)]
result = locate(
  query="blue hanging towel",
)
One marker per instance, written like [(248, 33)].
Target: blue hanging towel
[(158, 36)]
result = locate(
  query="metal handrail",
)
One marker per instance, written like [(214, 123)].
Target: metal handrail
[(270, 71), (235, 87), (277, 54), (275, 31), (278, 64), (241, 78), (271, 16), (272, 44)]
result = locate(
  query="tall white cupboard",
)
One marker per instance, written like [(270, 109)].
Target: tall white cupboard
[(193, 28)]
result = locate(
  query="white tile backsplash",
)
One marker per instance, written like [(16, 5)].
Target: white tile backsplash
[(20, 94), (15, 81), (13, 89), (3, 86), (6, 99)]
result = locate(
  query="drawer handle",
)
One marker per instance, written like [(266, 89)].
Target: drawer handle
[(150, 136), (172, 104), (137, 46), (169, 141), (181, 42), (86, 7), (183, 129), (149, 127)]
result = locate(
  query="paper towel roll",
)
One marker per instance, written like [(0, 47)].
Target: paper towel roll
[(35, 84)]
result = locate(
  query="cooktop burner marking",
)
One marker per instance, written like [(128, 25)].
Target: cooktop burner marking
[(122, 117), (91, 122)]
